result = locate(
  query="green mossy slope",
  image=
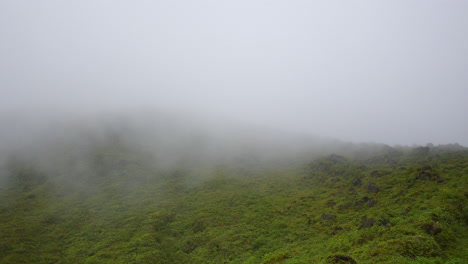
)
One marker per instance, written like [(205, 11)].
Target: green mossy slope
[(406, 206)]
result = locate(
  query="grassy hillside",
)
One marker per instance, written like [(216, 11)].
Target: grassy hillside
[(405, 205)]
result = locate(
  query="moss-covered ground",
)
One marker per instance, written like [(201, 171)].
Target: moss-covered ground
[(391, 207)]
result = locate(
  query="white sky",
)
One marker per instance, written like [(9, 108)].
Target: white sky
[(385, 71)]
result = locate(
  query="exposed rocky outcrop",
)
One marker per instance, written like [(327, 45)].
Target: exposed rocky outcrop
[(367, 222), (428, 173), (372, 187), (340, 259)]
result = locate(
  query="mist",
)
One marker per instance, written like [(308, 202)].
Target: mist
[(391, 73)]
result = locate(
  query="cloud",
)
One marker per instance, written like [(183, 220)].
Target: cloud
[(385, 72)]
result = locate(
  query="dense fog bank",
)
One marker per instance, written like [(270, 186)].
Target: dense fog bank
[(70, 144)]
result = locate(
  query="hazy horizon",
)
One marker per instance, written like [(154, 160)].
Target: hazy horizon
[(386, 72)]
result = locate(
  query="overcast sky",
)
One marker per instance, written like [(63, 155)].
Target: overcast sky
[(384, 71)]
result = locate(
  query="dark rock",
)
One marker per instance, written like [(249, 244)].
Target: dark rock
[(417, 246), (428, 173), (345, 206), (357, 182), (432, 228), (340, 259), (372, 187), (335, 180), (188, 247), (330, 203), (435, 217), (384, 222), (426, 168), (440, 180), (371, 202), (367, 222), (424, 175), (328, 217), (366, 200), (362, 201), (336, 230)]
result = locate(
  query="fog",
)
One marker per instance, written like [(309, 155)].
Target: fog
[(79, 148), (165, 138), (391, 72)]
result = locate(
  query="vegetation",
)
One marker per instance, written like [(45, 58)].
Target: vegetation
[(395, 205)]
